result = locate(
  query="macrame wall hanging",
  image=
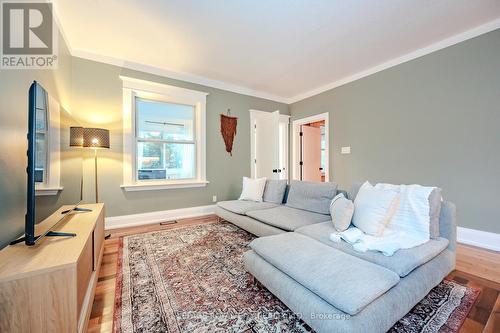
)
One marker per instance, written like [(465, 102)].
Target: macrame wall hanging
[(228, 129)]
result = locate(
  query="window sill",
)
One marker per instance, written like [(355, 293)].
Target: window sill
[(45, 191), (151, 186)]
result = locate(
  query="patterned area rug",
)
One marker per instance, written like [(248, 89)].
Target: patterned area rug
[(192, 279)]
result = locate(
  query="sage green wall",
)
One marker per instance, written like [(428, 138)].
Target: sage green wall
[(96, 92), (434, 121), (14, 85)]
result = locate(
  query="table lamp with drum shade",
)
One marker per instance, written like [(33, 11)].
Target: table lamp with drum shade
[(96, 138)]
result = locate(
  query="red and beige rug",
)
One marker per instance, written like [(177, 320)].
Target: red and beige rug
[(192, 279)]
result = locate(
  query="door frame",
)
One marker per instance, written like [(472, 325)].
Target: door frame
[(295, 167)]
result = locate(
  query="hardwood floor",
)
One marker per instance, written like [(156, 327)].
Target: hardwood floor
[(476, 268)]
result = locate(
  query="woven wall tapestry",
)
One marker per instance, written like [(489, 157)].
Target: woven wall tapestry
[(228, 129)]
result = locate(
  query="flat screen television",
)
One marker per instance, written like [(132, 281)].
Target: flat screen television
[(54, 170)]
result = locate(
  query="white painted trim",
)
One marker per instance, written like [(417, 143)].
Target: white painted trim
[(146, 186), (157, 217), (170, 73), (132, 88), (284, 146), (474, 32), (479, 238), (296, 139), (45, 191)]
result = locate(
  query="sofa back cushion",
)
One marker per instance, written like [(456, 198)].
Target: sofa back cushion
[(274, 191), (354, 191), (311, 196)]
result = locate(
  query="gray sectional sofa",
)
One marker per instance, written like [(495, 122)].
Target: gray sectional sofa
[(330, 285)]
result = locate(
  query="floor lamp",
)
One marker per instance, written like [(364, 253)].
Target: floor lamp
[(76, 141), (96, 138)]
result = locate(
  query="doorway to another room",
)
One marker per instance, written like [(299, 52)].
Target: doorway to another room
[(311, 153)]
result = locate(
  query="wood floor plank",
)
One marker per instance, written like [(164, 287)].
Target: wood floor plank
[(475, 267), (493, 324)]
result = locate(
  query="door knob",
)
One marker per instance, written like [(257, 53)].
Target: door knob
[(275, 170)]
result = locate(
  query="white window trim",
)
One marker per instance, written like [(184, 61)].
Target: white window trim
[(52, 183), (151, 90)]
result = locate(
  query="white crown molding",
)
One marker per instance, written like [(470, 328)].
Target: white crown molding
[(169, 73), (463, 36), (157, 217), (458, 38), (483, 239)]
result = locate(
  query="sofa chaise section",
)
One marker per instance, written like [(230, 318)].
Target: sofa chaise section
[(402, 262), (322, 307), (344, 281), (378, 316)]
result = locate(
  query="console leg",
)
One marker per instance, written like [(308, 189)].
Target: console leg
[(60, 234), (50, 233)]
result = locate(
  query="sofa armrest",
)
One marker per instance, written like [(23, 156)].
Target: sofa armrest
[(448, 224)]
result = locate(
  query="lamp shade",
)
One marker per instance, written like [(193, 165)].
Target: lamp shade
[(76, 136), (95, 138)]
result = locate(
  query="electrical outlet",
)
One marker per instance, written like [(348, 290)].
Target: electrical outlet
[(345, 150), (214, 198)]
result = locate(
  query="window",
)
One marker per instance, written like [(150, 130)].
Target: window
[(164, 136), (166, 142), (41, 138), (47, 144)]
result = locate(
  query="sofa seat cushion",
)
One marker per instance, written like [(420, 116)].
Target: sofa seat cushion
[(402, 262), (287, 218), (346, 282), (243, 206)]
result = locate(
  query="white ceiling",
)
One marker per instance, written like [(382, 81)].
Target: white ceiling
[(281, 49)]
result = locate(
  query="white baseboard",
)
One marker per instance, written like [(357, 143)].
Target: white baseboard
[(133, 220), (484, 239)]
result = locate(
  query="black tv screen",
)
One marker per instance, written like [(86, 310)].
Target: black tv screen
[(54, 169)]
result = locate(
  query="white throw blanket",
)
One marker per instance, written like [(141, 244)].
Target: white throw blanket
[(408, 228)]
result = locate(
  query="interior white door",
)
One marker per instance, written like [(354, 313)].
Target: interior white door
[(265, 145)]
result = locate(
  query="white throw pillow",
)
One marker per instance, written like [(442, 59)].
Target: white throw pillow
[(253, 189), (374, 208), (341, 210), (413, 216)]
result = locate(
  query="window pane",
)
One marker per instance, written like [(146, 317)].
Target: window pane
[(150, 161), (40, 157), (167, 121), (40, 121), (165, 160)]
